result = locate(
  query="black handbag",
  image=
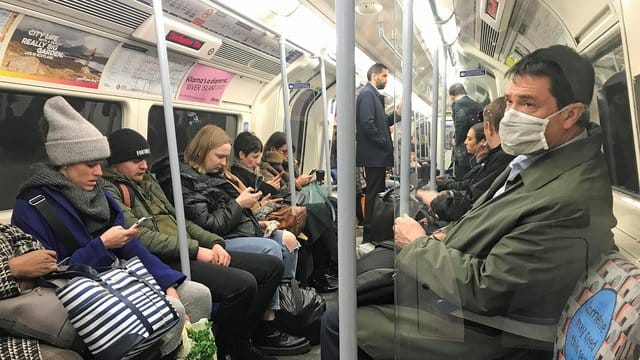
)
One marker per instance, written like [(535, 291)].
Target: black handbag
[(381, 226), (301, 310)]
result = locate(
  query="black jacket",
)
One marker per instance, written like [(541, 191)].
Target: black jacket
[(465, 113), (209, 201), (468, 190), (374, 147)]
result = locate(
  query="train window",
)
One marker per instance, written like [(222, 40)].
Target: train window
[(615, 118), (188, 122), (22, 136)]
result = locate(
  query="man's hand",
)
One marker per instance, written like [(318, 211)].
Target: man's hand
[(406, 230), (221, 255), (33, 264), (427, 196)]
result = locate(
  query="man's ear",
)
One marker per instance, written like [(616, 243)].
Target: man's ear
[(571, 114), (241, 155)]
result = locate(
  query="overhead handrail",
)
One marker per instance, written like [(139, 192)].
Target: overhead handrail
[(259, 25)]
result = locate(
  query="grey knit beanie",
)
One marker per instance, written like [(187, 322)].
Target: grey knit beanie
[(71, 138)]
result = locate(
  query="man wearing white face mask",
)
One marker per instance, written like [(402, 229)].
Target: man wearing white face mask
[(525, 243)]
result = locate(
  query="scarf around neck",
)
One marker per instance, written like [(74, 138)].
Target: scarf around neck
[(92, 206)]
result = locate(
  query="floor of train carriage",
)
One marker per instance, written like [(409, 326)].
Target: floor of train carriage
[(331, 298)]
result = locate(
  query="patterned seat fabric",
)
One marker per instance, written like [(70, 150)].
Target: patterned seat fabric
[(600, 320)]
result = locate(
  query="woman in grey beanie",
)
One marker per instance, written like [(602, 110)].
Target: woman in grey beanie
[(73, 188)]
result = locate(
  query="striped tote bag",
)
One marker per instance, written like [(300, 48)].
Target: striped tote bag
[(118, 313)]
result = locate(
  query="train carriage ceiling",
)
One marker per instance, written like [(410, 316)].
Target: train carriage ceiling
[(492, 33)]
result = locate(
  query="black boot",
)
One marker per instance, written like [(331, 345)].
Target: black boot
[(320, 283), (274, 341)]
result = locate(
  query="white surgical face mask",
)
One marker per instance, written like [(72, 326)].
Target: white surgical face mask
[(523, 134)]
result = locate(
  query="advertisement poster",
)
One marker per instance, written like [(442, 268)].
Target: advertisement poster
[(49, 52), (205, 84), (136, 69)]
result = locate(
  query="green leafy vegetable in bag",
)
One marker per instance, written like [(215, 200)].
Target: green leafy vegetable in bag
[(203, 345)]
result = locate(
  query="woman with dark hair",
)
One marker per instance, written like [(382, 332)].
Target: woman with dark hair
[(456, 197), (322, 231)]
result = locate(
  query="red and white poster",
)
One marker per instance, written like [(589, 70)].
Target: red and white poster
[(205, 84)]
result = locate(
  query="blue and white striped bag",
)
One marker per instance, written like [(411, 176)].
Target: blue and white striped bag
[(118, 313)]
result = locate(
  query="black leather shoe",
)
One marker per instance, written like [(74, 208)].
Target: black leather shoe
[(281, 343), (321, 284)]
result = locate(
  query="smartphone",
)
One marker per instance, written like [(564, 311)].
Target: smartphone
[(258, 183), (312, 171), (142, 219)]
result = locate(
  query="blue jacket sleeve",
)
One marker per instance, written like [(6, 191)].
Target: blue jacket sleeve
[(93, 252), (164, 275)]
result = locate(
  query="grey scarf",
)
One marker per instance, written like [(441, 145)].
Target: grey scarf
[(92, 206)]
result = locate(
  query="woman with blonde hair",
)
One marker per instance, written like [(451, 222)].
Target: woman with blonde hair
[(214, 199)]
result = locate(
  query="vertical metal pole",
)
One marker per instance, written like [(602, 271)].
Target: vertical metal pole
[(407, 90), (345, 76), (325, 120), (442, 124), (287, 117), (434, 117), (167, 94)]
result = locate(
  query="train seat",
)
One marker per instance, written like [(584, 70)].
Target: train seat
[(600, 319)]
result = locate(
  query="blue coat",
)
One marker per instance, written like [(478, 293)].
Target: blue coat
[(91, 251), (374, 147)]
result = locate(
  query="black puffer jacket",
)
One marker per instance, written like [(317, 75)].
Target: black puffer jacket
[(209, 201), (451, 207)]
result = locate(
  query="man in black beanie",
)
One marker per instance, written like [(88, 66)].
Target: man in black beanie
[(231, 276)]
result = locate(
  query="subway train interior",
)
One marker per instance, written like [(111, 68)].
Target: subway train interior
[(280, 65)]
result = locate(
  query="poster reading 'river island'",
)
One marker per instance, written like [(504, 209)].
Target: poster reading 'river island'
[(43, 51)]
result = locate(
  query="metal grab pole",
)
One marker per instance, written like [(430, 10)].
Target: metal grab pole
[(167, 94), (287, 117), (441, 124), (345, 88), (325, 120), (434, 117), (407, 89)]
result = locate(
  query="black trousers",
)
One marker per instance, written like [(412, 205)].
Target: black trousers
[(375, 177), (243, 290)]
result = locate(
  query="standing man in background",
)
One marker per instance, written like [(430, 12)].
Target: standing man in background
[(465, 112), (374, 148)]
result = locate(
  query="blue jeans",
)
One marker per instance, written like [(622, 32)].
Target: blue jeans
[(271, 246)]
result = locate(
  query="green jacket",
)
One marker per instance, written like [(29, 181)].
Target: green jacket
[(523, 252), (159, 235)]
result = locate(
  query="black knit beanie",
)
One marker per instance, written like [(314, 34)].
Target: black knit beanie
[(127, 144)]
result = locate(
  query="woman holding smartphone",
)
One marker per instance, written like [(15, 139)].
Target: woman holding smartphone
[(322, 242), (72, 187)]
